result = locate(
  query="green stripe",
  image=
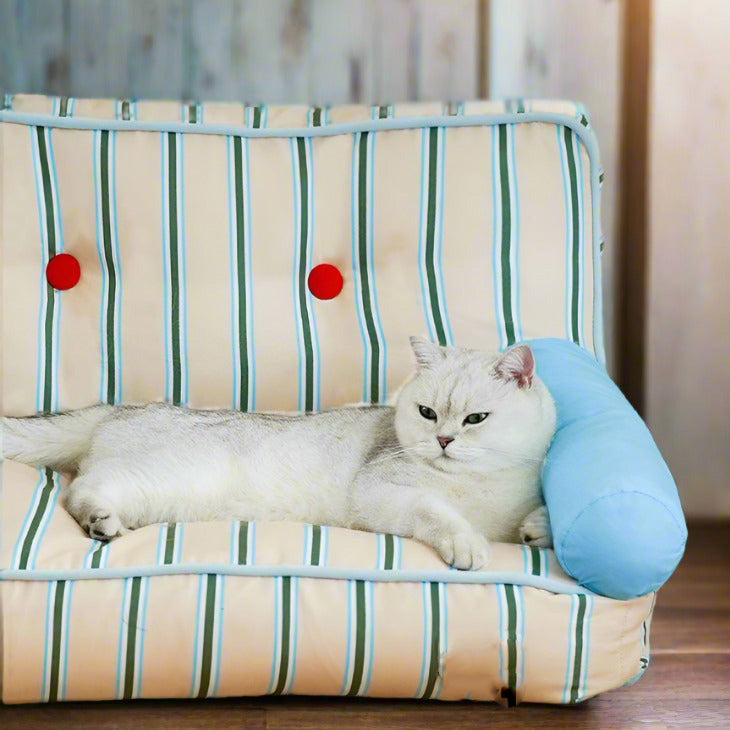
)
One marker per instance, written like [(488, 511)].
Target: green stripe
[(174, 268), (316, 545), (58, 620), (509, 591), (125, 110), (43, 155), (363, 266), (192, 113), (242, 542), (302, 274), (506, 236), (241, 274), (96, 556), (257, 116), (433, 667), (536, 567), (389, 552), (111, 271), (578, 652), (285, 638), (132, 629), (360, 625), (35, 522), (208, 622), (575, 245), (63, 106), (433, 167), (383, 112), (171, 530), (317, 116)]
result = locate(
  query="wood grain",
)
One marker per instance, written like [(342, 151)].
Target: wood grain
[(288, 51), (687, 684)]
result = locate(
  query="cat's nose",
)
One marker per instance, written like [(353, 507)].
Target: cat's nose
[(444, 440)]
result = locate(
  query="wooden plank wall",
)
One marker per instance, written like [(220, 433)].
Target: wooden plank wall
[(688, 298), (569, 49), (325, 51)]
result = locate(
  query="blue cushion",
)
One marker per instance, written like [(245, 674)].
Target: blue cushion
[(617, 522)]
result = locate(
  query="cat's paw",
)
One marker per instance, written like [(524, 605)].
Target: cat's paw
[(535, 530), (465, 550), (104, 526)]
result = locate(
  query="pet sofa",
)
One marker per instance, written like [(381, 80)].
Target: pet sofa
[(190, 235)]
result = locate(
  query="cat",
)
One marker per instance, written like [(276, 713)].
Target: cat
[(455, 463)]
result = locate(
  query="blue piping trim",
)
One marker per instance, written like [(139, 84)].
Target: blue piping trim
[(551, 585)]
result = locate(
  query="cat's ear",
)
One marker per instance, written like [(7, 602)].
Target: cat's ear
[(427, 353), (517, 365)]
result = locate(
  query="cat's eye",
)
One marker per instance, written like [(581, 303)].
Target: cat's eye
[(473, 418), (427, 412)]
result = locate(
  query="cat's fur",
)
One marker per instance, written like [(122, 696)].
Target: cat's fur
[(374, 468)]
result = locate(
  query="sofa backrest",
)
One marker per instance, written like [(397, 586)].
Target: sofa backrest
[(196, 227)]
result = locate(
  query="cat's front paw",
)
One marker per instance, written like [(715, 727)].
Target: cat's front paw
[(535, 529), (465, 550)]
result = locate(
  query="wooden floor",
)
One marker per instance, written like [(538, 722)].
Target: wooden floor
[(687, 684)]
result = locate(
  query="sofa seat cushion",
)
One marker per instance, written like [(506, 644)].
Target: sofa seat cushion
[(256, 608)]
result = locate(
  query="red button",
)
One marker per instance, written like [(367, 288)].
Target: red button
[(325, 281), (63, 271)]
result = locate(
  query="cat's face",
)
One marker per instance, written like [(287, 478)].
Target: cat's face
[(470, 411)]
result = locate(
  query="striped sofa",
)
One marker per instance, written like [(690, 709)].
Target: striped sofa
[(195, 227)]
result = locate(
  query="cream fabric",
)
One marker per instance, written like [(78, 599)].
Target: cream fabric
[(195, 251)]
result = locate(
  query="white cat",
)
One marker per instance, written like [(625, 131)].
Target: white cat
[(455, 463)]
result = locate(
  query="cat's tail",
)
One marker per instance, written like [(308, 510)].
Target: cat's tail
[(57, 441)]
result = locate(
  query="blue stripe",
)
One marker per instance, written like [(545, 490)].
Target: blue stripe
[(423, 212), (515, 198), (500, 591), (345, 682), (440, 269), (251, 345), (496, 242), (235, 293), (310, 250), (356, 269), (587, 643), (58, 221), (568, 663), (294, 632), (121, 653), (165, 264), (180, 169), (44, 261), (370, 589), (144, 588), (518, 592), (373, 286), (198, 613), (581, 243), (49, 613), (277, 599), (96, 158), (118, 372), (219, 618), (444, 633), (66, 614), (568, 227), (296, 181), (424, 642)]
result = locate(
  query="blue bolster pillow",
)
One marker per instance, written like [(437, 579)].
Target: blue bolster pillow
[(617, 522)]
